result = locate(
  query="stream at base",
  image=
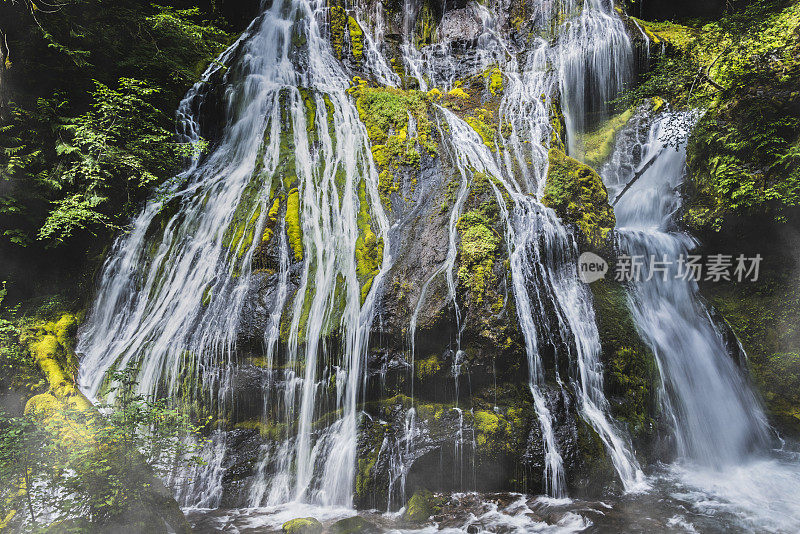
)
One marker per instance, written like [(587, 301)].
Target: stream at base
[(757, 497)]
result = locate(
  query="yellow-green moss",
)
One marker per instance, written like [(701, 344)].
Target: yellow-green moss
[(495, 81), (338, 27), (369, 249), (249, 234), (577, 194), (493, 432), (458, 92), (302, 525), (385, 112), (428, 367), (311, 109), (51, 350), (478, 121), (294, 230), (272, 218), (675, 35), (356, 39), (419, 507), (478, 250), (268, 430), (598, 144)]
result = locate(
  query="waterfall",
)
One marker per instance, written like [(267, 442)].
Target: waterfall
[(595, 54), (724, 464), (169, 301), (292, 168), (717, 419)]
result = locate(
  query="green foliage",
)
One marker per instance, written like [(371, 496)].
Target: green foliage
[(81, 464), (86, 117), (743, 69)]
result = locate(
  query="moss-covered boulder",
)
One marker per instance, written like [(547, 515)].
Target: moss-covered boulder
[(353, 525), (302, 525), (420, 507), (577, 194)]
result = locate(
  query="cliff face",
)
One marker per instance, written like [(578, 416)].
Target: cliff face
[(453, 371)]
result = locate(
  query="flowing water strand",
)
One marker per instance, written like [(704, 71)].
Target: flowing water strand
[(370, 17), (472, 153), (543, 259), (595, 53)]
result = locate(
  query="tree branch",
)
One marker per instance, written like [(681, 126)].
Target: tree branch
[(638, 175)]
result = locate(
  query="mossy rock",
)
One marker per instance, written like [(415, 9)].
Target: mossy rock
[(302, 525), (598, 144), (420, 507), (353, 525), (577, 194), (632, 379)]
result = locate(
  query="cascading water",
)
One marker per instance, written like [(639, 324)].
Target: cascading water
[(724, 459), (718, 420), (596, 60), (170, 301), (292, 169)]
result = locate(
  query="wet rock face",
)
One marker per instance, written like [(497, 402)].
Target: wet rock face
[(461, 25), (455, 413)]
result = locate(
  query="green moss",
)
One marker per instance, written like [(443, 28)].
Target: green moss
[(596, 470), (205, 300), (577, 194), (311, 109), (385, 112), (51, 346), (632, 377), (338, 28), (294, 230), (478, 250), (765, 316), (495, 76), (479, 123), (678, 36), (458, 92), (369, 248), (420, 507), (366, 483), (302, 525), (499, 432), (356, 39), (269, 430), (428, 367), (598, 144)]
